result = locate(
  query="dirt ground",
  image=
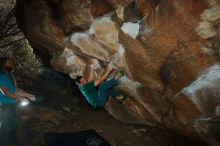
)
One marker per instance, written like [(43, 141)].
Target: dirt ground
[(55, 116)]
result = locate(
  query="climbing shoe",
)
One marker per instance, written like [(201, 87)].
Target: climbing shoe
[(120, 98)]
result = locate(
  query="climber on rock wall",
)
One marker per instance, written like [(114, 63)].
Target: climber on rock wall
[(98, 91)]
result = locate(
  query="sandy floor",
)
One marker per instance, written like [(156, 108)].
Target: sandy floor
[(55, 116)]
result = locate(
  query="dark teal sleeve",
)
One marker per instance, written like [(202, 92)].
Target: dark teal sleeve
[(89, 86), (3, 81)]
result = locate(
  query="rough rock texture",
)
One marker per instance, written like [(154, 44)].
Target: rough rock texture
[(169, 50)]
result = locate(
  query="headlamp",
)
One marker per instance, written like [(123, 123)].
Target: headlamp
[(24, 102)]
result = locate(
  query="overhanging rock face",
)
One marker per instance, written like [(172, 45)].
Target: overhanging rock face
[(169, 50)]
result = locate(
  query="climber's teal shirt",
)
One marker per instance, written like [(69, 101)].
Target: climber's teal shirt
[(90, 93), (5, 81)]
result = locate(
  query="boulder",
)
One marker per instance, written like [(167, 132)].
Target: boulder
[(168, 49)]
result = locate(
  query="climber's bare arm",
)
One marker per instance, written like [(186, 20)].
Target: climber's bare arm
[(104, 77)]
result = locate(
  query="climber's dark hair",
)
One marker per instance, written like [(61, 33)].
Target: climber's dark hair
[(3, 60), (77, 80)]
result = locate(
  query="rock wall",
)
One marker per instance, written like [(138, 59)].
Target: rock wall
[(169, 50)]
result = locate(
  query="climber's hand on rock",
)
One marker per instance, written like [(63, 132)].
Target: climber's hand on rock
[(110, 67)]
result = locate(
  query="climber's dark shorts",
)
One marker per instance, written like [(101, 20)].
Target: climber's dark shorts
[(105, 91)]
